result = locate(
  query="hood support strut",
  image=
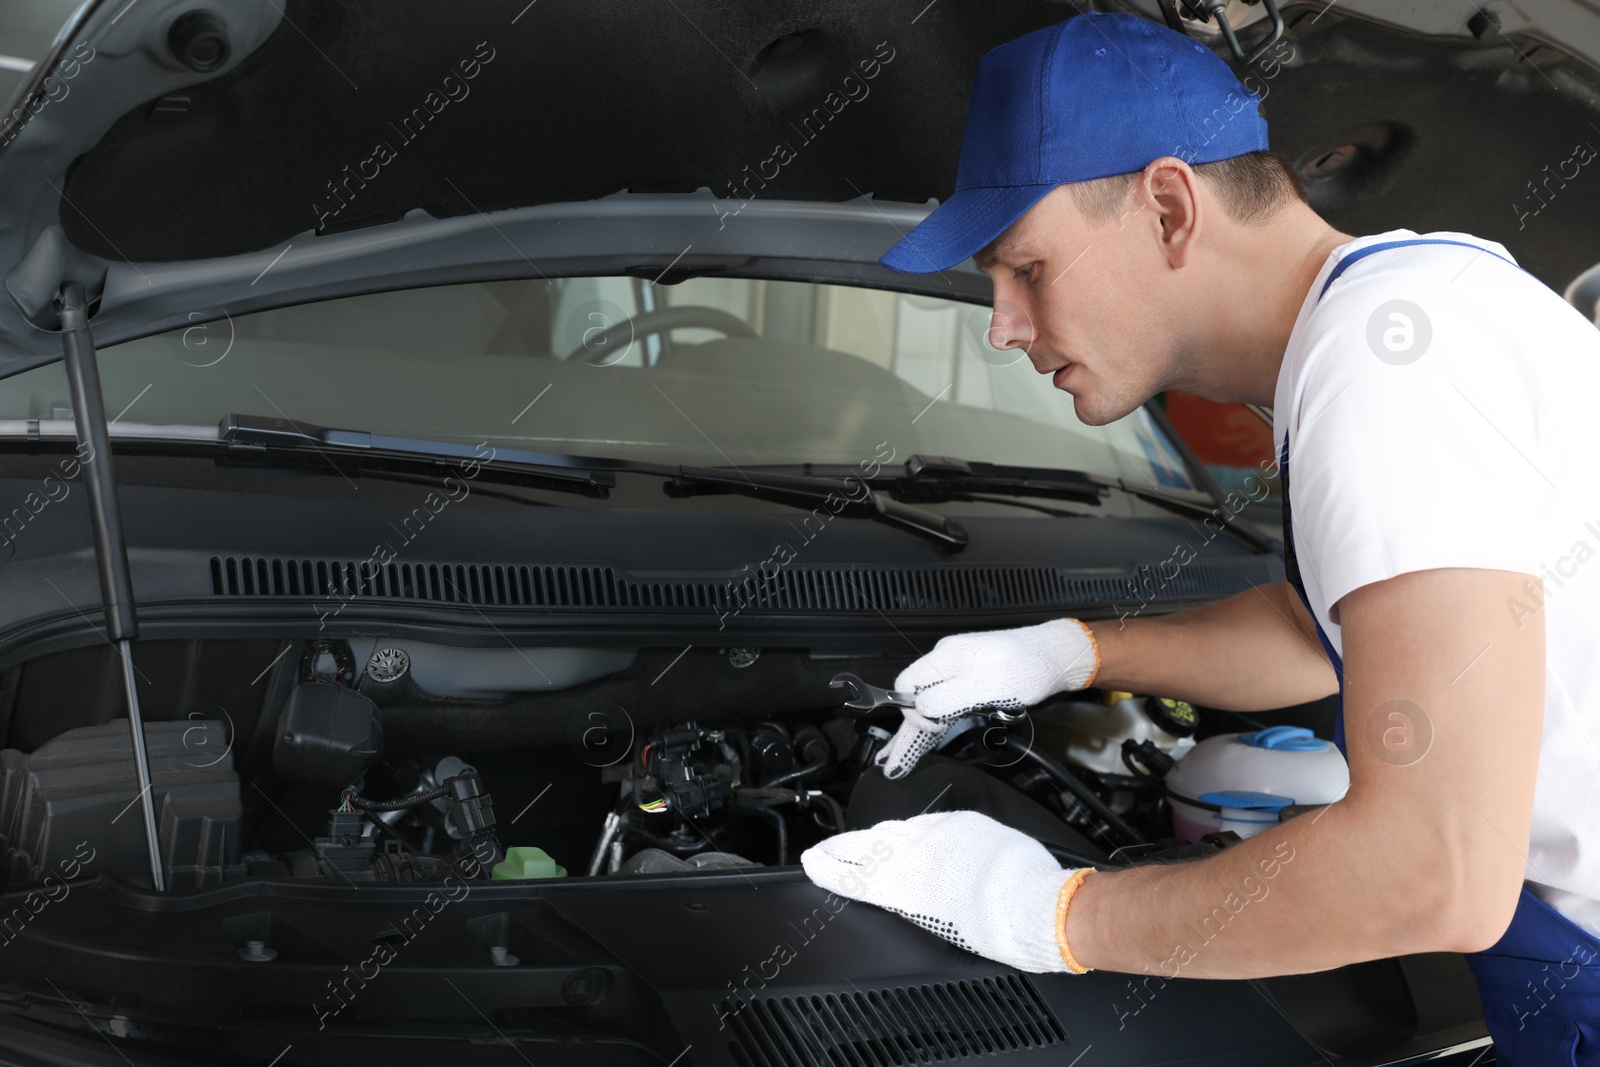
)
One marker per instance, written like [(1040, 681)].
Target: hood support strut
[(110, 550)]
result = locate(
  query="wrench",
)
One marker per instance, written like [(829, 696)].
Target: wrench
[(869, 697)]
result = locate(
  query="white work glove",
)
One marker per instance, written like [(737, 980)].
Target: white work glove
[(975, 882), (1011, 669)]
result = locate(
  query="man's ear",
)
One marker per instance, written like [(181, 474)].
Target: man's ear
[(1170, 188)]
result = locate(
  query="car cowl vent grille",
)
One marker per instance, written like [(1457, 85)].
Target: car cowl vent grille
[(796, 588), (942, 1022)]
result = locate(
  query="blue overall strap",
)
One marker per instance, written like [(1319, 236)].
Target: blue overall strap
[(1291, 566), (1383, 246), (1540, 983)]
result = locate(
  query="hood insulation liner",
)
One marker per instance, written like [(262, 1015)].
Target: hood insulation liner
[(352, 114)]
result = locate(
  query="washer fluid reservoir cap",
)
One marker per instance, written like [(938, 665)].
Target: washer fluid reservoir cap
[(1247, 800), (1284, 738)]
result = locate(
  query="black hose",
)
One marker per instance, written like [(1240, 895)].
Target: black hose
[(764, 794), (1074, 785), (796, 774), (767, 793), (384, 828), (783, 834), (401, 804), (1076, 858), (783, 828), (735, 762), (838, 811)]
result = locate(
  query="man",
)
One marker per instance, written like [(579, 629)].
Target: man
[(1433, 403)]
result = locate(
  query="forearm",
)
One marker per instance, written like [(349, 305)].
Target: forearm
[(1244, 653), (1428, 849), (1322, 890)]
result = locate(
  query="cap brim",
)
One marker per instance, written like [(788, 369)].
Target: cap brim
[(960, 226)]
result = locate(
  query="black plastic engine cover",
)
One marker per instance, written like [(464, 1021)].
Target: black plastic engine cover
[(70, 807), (939, 783), (328, 736)]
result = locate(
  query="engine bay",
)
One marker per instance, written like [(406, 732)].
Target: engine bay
[(391, 760)]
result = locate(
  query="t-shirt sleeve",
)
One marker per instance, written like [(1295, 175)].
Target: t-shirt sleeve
[(1416, 444)]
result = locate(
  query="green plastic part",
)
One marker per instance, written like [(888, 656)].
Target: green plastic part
[(526, 861)]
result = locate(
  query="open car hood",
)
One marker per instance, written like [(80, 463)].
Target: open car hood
[(340, 148)]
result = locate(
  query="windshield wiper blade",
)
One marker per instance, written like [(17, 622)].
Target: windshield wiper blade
[(257, 431), (1077, 485), (952, 473), (789, 489)]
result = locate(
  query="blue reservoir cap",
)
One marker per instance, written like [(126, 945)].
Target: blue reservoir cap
[(1285, 738), (1247, 800)]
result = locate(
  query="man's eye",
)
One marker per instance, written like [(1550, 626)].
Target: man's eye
[(1022, 274)]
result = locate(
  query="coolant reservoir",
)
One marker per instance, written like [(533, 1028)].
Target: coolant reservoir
[(1098, 730), (1240, 782)]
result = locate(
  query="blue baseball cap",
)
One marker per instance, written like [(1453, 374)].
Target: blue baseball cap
[(1096, 95)]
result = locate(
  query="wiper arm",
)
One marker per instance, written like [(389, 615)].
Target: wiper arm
[(1184, 506), (789, 489), (1071, 484), (264, 432)]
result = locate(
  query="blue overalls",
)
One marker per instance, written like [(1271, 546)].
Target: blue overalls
[(1540, 983)]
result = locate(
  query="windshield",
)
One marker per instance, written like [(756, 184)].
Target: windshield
[(710, 371)]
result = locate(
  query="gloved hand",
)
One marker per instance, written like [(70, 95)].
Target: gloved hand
[(975, 882), (995, 668)]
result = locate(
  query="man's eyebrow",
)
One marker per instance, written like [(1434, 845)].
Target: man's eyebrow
[(987, 256)]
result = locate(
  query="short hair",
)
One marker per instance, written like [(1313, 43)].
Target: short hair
[(1252, 187)]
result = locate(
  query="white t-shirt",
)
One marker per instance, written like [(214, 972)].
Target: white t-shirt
[(1461, 429)]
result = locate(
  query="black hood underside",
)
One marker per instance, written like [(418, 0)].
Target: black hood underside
[(352, 114)]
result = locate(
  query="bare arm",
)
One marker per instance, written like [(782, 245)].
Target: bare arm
[(1428, 849), (1257, 649)]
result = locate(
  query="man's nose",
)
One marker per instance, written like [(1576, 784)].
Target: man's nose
[(1009, 326)]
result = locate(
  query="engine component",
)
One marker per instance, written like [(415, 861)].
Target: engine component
[(71, 790), (812, 751), (669, 759), (699, 794), (482, 673), (471, 817), (328, 660), (445, 769), (609, 845), (343, 851), (688, 772), (660, 861), (1145, 760), (956, 785), (348, 857), (771, 752), (199, 40), (388, 665), (811, 745), (468, 814), (1095, 731), (525, 862), (1241, 782), (1176, 717), (328, 735), (351, 851)]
